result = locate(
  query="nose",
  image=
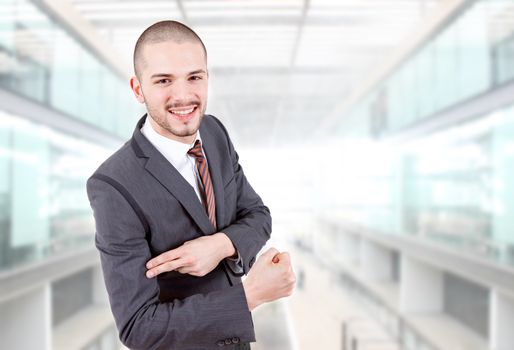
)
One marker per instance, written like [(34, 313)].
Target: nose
[(180, 92)]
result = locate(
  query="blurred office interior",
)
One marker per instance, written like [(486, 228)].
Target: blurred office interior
[(379, 132)]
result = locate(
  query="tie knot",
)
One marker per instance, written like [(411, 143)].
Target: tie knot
[(196, 150)]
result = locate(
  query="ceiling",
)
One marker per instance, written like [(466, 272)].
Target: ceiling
[(277, 67)]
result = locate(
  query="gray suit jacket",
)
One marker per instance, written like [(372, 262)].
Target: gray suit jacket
[(144, 207)]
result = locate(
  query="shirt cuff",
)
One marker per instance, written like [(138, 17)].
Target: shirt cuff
[(236, 263)]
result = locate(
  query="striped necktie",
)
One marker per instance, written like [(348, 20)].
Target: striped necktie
[(206, 192)]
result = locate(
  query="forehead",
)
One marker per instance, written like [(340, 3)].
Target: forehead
[(173, 58)]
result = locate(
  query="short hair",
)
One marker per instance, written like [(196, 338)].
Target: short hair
[(164, 31)]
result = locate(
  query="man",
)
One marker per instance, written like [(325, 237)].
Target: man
[(177, 223)]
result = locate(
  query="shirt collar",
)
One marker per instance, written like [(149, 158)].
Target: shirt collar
[(173, 150)]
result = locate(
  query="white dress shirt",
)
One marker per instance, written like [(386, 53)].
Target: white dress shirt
[(176, 153)]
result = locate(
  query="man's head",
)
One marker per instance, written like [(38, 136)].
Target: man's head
[(171, 79)]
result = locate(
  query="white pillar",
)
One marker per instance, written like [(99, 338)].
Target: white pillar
[(376, 262), (348, 248), (421, 287), (26, 322), (501, 321)]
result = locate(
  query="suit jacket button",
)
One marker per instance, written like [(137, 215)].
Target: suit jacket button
[(228, 341), (235, 340), (220, 343)]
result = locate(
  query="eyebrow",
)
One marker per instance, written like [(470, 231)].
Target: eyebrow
[(168, 75)]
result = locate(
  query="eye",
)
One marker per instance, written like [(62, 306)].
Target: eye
[(195, 77), (163, 81)]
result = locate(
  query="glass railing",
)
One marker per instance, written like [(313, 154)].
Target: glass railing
[(452, 187), (44, 208)]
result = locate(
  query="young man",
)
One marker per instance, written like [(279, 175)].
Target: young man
[(177, 223)]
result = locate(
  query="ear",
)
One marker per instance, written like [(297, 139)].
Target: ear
[(136, 89)]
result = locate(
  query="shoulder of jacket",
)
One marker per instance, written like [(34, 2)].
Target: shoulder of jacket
[(213, 122), (116, 162)]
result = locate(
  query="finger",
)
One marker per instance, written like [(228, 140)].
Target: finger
[(166, 267), (270, 253), (284, 257), (164, 257)]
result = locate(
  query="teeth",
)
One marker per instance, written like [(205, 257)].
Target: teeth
[(183, 112)]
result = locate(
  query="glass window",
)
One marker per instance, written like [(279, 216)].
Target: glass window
[(108, 103), (395, 106), (503, 191), (427, 82), (409, 85), (5, 189), (505, 59), (65, 83), (33, 47), (45, 62), (7, 11), (29, 197), (445, 68), (90, 87), (474, 65)]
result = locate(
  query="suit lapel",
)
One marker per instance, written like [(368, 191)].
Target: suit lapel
[(170, 178), (212, 153)]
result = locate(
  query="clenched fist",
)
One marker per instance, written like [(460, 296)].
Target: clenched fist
[(270, 278)]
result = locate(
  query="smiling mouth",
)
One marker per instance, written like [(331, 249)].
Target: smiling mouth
[(183, 113)]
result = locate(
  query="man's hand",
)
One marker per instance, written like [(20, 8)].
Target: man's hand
[(197, 257), (270, 278)]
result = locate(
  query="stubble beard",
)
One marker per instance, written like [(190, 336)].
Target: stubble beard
[(162, 120)]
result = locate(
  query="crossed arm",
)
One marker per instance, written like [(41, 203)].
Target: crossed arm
[(197, 257), (244, 237)]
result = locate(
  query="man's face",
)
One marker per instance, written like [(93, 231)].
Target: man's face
[(173, 86)]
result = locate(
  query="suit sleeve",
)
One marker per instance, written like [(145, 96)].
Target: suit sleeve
[(252, 226), (200, 321)]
